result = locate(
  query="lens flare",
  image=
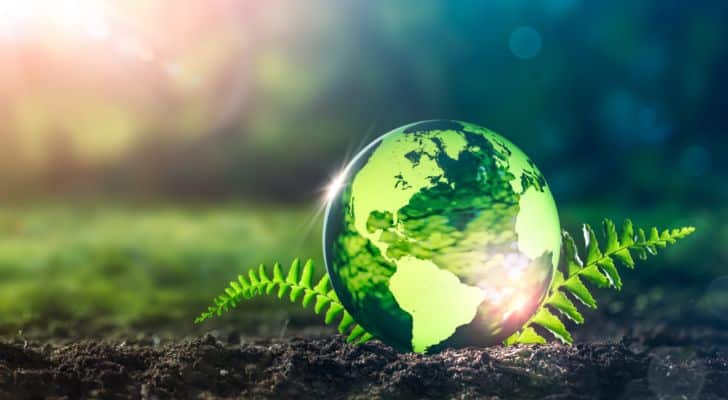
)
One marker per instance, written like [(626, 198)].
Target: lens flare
[(81, 16), (334, 186)]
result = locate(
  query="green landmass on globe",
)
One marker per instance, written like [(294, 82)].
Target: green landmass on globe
[(442, 234)]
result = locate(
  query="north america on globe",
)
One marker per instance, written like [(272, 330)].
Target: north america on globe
[(441, 234)]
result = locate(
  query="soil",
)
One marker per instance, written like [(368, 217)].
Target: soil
[(212, 367), (671, 351)]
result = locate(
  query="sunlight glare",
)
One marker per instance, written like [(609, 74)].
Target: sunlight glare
[(517, 306), (334, 186), (85, 16)]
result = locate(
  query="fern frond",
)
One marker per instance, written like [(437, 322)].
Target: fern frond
[(599, 268), (298, 283)]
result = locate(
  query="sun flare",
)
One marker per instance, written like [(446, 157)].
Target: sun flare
[(89, 17)]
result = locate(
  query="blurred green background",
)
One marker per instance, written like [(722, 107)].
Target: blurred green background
[(150, 151)]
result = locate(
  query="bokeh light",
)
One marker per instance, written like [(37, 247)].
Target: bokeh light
[(18, 18), (525, 42)]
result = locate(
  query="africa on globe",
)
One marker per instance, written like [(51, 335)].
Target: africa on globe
[(441, 234)]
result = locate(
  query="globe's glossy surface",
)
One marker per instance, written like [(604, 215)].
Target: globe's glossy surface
[(441, 233)]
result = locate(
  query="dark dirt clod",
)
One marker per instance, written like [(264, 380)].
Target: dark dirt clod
[(328, 368)]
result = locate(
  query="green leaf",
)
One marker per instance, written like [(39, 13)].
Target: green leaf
[(627, 238), (265, 280), (307, 275), (607, 265), (592, 245), (278, 273), (624, 257), (332, 295), (346, 322), (295, 293), (562, 303), (610, 232), (654, 235), (308, 297), (293, 272), (573, 262), (595, 276), (511, 340), (575, 286), (262, 275), (244, 283), (323, 286), (365, 338), (527, 335), (682, 232), (334, 310), (321, 302), (355, 333), (641, 238), (278, 278), (282, 288), (550, 322), (254, 282)]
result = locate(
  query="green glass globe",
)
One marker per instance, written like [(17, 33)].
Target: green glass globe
[(441, 234)]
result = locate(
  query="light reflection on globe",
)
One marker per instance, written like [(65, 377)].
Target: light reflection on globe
[(441, 234)]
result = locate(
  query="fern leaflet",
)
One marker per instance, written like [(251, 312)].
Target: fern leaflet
[(598, 268), (298, 282)]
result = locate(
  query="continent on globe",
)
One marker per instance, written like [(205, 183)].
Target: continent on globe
[(443, 234), (448, 304)]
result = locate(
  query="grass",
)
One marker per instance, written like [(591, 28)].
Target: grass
[(136, 266)]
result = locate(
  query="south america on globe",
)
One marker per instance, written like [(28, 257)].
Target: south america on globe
[(441, 234)]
